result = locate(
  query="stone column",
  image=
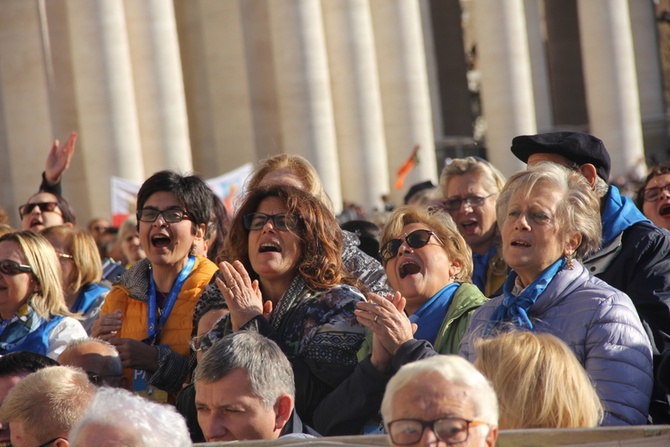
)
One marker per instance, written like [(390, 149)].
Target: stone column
[(25, 125), (611, 82), (404, 89), (303, 87), (211, 38), (159, 86), (507, 87), (538, 66), (356, 101), (649, 78)]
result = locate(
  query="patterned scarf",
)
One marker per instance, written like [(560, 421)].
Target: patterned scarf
[(15, 330), (514, 308)]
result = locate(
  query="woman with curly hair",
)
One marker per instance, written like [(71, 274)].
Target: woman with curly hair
[(282, 275)]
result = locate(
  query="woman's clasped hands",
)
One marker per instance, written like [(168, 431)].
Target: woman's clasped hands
[(243, 296)]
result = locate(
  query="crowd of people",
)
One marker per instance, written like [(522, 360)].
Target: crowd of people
[(480, 304)]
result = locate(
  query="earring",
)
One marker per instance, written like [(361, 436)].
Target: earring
[(569, 263)]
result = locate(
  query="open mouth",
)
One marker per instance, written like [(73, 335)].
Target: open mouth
[(35, 222), (665, 210), (520, 244), (160, 241), (268, 247), (408, 268)]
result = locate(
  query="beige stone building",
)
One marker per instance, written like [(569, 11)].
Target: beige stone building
[(352, 85)]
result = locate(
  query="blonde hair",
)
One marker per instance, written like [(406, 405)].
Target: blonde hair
[(40, 255), (491, 178), (84, 251), (300, 167), (578, 210), (441, 224), (49, 402), (539, 381)]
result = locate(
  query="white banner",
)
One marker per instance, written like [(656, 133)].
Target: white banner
[(227, 187)]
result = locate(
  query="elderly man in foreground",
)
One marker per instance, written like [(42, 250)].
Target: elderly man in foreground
[(440, 401), (245, 390)]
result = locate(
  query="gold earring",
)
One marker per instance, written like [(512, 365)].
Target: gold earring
[(569, 263)]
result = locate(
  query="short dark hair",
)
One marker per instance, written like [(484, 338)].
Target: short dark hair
[(659, 169), (191, 191), (20, 362)]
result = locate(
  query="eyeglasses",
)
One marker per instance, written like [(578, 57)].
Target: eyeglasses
[(172, 215), (11, 268), (450, 430), (281, 221), (416, 239), (653, 194), (196, 342), (28, 208), (99, 379), (472, 201), (51, 441)]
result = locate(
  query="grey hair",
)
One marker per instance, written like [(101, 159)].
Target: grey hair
[(491, 178), (270, 372), (112, 362), (579, 210), (147, 423), (454, 369)]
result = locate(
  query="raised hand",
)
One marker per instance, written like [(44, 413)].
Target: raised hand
[(59, 159), (242, 295)]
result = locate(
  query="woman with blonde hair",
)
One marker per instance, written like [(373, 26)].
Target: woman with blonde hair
[(82, 270), (33, 313), (539, 382), (470, 187)]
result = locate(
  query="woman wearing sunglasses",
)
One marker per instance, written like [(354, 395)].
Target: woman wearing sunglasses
[(549, 219), (470, 187), (282, 275), (82, 270), (148, 314), (33, 313), (653, 197), (44, 210), (428, 264)]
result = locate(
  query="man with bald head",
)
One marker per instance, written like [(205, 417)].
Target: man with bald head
[(99, 359)]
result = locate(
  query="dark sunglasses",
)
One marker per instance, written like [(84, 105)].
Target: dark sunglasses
[(173, 215), (416, 239), (281, 221), (11, 268), (28, 208)]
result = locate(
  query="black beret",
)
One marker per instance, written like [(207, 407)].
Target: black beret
[(577, 147)]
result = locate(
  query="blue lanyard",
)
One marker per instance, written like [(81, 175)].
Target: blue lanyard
[(154, 329)]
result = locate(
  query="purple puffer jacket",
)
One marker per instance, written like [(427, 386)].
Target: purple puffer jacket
[(602, 328)]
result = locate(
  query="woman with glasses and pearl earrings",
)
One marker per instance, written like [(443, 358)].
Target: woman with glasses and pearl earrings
[(428, 264), (33, 313), (470, 187), (148, 314), (282, 275)]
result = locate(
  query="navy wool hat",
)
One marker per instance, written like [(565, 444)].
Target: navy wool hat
[(577, 147)]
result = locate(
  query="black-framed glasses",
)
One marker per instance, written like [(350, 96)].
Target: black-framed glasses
[(472, 201), (416, 239), (653, 194), (451, 430), (51, 441), (281, 221), (11, 268), (172, 215), (28, 208), (99, 379)]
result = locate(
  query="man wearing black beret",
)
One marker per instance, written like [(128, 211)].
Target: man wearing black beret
[(635, 255)]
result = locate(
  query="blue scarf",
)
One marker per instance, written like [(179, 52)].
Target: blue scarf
[(481, 265), (430, 316), (515, 308), (15, 330), (619, 214)]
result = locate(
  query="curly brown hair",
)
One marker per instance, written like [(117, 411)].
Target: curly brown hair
[(320, 236)]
